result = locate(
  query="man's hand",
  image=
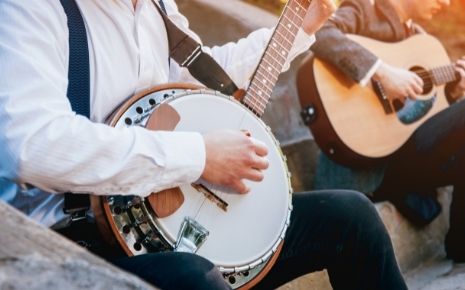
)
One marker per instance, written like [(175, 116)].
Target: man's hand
[(233, 156), (398, 83), (458, 90), (318, 12)]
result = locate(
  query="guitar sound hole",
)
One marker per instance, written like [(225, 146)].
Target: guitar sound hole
[(426, 77)]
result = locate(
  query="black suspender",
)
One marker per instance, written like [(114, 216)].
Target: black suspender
[(162, 6), (78, 88)]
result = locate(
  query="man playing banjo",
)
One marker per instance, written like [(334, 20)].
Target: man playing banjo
[(47, 149)]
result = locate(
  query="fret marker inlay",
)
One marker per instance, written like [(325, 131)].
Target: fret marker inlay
[(275, 55)]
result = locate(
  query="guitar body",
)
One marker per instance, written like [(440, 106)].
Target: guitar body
[(349, 122), (241, 234)]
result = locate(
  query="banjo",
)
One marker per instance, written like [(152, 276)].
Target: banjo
[(241, 234)]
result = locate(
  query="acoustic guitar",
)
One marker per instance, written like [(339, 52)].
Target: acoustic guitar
[(241, 234), (358, 126)]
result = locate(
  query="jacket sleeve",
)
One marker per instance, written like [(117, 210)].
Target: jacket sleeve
[(334, 47)]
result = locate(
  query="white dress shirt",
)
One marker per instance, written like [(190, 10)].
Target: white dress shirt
[(45, 144)]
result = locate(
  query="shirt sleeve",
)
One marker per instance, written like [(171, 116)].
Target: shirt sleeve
[(45, 144), (333, 46), (239, 59)]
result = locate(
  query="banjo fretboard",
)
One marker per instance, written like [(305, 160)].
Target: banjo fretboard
[(275, 56)]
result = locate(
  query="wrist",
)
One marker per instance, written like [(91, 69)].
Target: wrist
[(380, 73)]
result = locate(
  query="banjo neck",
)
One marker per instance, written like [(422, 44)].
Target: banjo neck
[(275, 55)]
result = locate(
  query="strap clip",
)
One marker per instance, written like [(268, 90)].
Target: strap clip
[(192, 57)]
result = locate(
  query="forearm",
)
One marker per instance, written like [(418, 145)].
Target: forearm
[(333, 46), (73, 154)]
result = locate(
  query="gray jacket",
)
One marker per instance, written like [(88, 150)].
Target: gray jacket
[(375, 19)]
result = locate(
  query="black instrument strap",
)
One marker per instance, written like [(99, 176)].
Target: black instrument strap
[(188, 53)]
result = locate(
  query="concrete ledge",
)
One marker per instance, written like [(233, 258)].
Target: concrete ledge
[(35, 258)]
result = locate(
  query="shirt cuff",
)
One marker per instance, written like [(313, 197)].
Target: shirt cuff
[(364, 81), (184, 157)]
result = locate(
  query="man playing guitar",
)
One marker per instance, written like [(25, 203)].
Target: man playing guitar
[(434, 155)]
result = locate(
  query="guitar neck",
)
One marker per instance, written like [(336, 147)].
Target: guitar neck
[(275, 56), (444, 74)]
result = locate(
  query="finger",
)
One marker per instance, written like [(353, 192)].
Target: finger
[(412, 93), (260, 163), (419, 81), (240, 187), (461, 71), (260, 147), (254, 175), (416, 87), (246, 132), (460, 63), (461, 84)]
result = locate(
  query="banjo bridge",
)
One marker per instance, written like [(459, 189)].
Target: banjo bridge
[(210, 195)]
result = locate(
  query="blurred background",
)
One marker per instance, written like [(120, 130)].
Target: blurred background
[(448, 26)]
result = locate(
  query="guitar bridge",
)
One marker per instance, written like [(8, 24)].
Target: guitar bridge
[(210, 195), (383, 99)]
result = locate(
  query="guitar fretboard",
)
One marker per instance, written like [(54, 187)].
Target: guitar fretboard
[(275, 56), (444, 74)]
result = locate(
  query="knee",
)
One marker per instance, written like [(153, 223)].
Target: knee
[(200, 273), (356, 207), (354, 201)]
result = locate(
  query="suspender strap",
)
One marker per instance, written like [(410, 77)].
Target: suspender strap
[(188, 53), (78, 86), (162, 6), (78, 71)]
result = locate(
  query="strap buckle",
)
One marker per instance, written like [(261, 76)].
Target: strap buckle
[(77, 215), (192, 57)]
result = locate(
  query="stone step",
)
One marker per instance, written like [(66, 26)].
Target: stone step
[(35, 258), (429, 273), (442, 275)]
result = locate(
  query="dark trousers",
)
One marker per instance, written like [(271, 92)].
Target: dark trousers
[(434, 156), (337, 230)]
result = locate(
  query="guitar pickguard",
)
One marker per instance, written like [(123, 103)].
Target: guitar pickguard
[(414, 110)]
